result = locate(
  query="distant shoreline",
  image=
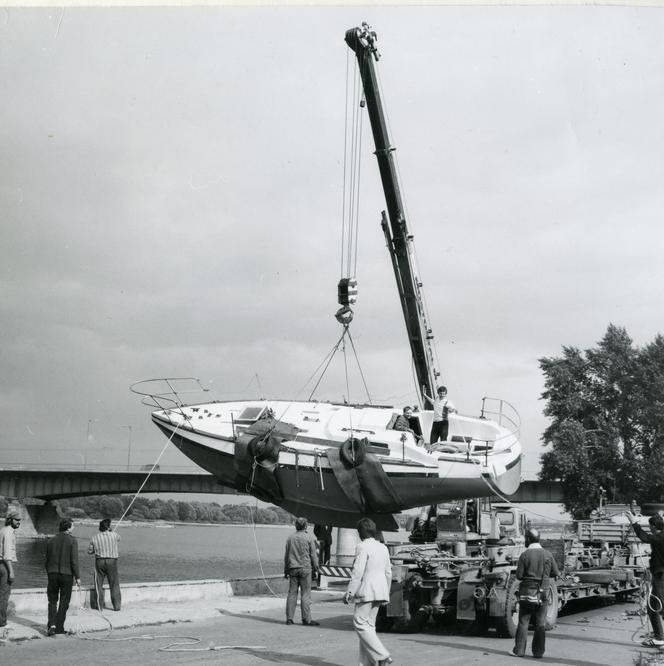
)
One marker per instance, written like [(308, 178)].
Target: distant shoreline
[(165, 524)]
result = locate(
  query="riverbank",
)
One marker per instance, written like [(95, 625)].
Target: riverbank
[(250, 631), (144, 604)]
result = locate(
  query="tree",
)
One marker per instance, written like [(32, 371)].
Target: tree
[(170, 511), (111, 507), (186, 512), (606, 407)]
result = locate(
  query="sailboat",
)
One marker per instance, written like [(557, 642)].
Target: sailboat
[(333, 462)]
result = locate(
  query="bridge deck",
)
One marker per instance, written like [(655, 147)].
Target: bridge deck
[(50, 484), (54, 484)]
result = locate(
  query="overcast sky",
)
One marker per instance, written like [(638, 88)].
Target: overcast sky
[(171, 192)]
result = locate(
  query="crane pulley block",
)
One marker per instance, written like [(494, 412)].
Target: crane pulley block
[(347, 291)]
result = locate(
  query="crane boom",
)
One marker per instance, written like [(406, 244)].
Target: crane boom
[(362, 41)]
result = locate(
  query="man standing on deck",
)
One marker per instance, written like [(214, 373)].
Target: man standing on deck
[(7, 560), (300, 565), (104, 546), (656, 598), (442, 407), (62, 570)]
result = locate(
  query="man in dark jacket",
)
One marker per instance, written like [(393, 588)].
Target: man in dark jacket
[(656, 598), (62, 570), (534, 569)]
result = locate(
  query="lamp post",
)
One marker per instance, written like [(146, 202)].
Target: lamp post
[(128, 427), (88, 439)]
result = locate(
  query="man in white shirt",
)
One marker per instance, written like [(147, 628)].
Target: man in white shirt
[(7, 560), (442, 407)]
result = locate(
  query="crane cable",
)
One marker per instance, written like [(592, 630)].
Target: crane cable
[(353, 123)]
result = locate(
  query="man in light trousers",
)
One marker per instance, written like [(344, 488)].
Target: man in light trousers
[(104, 546), (370, 588)]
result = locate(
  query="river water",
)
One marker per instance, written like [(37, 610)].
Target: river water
[(180, 552)]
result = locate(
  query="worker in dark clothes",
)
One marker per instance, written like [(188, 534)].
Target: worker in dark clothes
[(323, 534), (62, 570), (300, 566), (534, 569), (656, 598)]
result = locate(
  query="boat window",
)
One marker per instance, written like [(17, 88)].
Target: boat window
[(250, 414)]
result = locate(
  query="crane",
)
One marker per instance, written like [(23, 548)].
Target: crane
[(362, 40)]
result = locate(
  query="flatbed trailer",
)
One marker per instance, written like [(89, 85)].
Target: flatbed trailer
[(470, 576)]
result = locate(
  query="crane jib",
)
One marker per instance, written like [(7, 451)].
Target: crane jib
[(362, 41)]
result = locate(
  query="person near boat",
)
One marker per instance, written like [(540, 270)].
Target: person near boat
[(442, 407), (323, 534), (104, 546), (369, 587), (7, 560), (402, 423), (62, 571), (406, 422), (300, 566), (656, 598), (534, 570)]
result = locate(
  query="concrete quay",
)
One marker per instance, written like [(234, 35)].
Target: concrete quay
[(250, 631)]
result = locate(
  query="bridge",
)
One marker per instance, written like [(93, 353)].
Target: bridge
[(57, 484), (34, 489), (52, 482)]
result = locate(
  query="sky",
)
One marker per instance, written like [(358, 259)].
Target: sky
[(171, 187)]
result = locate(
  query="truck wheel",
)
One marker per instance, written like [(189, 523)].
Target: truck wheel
[(507, 622), (552, 609), (383, 622)]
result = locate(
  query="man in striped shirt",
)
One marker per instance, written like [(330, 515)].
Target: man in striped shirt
[(104, 546)]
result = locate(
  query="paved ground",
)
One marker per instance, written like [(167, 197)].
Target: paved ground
[(592, 637)]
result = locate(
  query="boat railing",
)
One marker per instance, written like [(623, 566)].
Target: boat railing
[(503, 413), (164, 392)]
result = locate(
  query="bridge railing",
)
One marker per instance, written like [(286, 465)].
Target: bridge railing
[(92, 467)]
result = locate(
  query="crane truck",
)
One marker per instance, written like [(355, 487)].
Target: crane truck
[(460, 564)]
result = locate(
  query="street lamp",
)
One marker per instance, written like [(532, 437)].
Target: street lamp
[(88, 439), (128, 427)]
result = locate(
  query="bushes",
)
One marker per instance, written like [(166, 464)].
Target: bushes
[(105, 506)]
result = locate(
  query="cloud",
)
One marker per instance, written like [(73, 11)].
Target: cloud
[(171, 187)]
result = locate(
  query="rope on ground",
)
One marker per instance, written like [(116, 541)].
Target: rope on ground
[(178, 647)]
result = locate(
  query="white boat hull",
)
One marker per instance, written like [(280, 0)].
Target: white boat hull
[(305, 477)]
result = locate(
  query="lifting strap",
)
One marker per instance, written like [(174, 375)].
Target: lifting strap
[(365, 482)]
